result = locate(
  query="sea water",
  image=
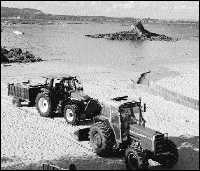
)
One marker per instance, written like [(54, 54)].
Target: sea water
[(67, 43)]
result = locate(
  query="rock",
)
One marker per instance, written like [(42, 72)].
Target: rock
[(16, 55), (16, 50), (137, 32), (4, 59), (142, 78), (4, 50), (4, 53)]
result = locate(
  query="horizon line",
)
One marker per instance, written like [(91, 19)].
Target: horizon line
[(174, 19)]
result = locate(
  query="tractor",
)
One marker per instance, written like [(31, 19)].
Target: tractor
[(59, 94), (121, 128)]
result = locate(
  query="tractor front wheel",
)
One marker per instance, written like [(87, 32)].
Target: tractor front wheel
[(71, 114)]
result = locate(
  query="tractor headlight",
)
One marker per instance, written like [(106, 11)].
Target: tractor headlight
[(166, 135)]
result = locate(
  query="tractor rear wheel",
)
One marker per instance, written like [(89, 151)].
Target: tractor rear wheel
[(135, 158), (102, 138), (71, 114), (43, 104), (170, 159)]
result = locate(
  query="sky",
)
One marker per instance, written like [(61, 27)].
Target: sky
[(137, 9)]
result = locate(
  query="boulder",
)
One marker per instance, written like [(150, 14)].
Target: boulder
[(17, 55), (16, 50), (137, 32)]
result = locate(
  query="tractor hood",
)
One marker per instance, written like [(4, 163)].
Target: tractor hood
[(142, 132), (79, 95)]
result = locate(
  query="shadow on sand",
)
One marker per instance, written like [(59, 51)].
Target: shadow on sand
[(188, 148)]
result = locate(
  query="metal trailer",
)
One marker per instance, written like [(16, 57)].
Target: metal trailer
[(23, 92)]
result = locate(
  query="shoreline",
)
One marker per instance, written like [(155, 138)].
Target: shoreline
[(174, 77)]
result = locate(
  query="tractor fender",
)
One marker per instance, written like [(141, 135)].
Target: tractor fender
[(80, 104), (44, 90), (93, 107), (102, 119), (75, 101)]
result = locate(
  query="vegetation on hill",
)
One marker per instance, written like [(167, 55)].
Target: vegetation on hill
[(15, 12)]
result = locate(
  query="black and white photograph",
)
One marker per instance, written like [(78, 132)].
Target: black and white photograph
[(99, 85)]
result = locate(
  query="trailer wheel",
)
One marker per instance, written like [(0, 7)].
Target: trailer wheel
[(170, 159), (43, 104), (17, 102), (102, 138), (135, 159), (71, 114)]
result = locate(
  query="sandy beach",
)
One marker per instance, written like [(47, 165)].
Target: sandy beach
[(28, 139)]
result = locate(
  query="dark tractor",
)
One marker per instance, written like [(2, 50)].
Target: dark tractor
[(121, 128), (60, 94)]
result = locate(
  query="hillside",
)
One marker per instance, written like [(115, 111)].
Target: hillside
[(29, 13), (14, 12)]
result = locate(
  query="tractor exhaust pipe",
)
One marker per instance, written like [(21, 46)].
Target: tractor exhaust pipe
[(144, 106)]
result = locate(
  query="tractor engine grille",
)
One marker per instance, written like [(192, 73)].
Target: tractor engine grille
[(158, 143)]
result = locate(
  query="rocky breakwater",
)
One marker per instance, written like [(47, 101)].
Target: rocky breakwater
[(137, 32), (17, 55)]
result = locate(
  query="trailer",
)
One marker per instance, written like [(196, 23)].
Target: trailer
[(24, 92)]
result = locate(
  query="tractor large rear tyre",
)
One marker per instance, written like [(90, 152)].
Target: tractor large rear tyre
[(168, 161), (43, 104), (102, 138), (71, 114)]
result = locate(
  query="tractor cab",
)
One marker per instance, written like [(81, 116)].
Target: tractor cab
[(133, 110), (121, 113), (71, 83)]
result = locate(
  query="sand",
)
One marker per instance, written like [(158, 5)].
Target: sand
[(187, 83), (28, 139)]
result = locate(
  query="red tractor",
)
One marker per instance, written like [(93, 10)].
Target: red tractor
[(121, 127)]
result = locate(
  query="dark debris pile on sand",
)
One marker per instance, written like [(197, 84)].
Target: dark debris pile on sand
[(16, 55), (136, 33)]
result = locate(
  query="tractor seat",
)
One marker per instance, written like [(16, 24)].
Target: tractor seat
[(57, 86)]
